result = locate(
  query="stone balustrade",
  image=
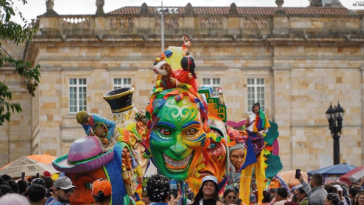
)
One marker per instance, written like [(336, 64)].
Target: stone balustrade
[(201, 25)]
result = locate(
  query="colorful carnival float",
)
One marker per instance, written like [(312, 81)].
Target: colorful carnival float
[(184, 132)]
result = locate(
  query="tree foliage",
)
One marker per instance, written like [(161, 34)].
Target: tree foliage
[(30, 74)]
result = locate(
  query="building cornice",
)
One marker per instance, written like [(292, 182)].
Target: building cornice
[(32, 52), (196, 44), (122, 68), (281, 67)]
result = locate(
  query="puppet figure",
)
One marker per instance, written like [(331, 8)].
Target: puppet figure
[(187, 74), (164, 79)]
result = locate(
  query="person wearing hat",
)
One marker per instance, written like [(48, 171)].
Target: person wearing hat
[(87, 120), (63, 189), (101, 191), (340, 194), (208, 193), (47, 174)]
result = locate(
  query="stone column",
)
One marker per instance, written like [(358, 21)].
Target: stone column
[(283, 112), (189, 19), (144, 17), (280, 9), (362, 119), (50, 11), (233, 20), (100, 7), (280, 24)]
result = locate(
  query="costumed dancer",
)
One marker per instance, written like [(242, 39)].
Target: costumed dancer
[(256, 126)]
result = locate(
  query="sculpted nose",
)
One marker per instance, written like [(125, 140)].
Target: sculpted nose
[(178, 148)]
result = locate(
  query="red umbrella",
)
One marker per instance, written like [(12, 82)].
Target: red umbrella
[(353, 176)]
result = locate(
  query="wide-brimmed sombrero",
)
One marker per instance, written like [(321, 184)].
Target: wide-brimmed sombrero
[(84, 155)]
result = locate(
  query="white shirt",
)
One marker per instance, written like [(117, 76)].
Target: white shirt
[(251, 122)]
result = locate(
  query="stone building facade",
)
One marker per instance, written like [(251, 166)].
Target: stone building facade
[(295, 61)]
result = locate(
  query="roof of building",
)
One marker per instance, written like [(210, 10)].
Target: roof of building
[(242, 10)]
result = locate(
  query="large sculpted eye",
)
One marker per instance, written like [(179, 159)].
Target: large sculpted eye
[(164, 131), (191, 131), (212, 146), (163, 67), (88, 185)]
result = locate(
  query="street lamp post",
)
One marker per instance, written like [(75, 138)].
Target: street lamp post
[(335, 117)]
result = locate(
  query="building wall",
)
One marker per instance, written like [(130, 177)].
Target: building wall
[(306, 61), (296, 95), (316, 77), (16, 135)]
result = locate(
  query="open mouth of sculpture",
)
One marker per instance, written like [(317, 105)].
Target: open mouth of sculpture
[(205, 173), (177, 165)]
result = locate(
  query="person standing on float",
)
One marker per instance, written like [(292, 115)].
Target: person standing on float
[(257, 125)]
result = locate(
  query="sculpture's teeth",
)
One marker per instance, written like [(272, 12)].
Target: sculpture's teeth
[(177, 164)]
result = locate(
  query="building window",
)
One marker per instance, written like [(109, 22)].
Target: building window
[(214, 83), (255, 92), (122, 83), (77, 94)]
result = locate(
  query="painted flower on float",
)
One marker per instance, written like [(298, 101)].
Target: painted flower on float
[(177, 132)]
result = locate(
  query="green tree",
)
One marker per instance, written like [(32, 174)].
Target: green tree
[(29, 73)]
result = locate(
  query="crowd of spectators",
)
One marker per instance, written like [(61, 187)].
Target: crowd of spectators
[(43, 190)]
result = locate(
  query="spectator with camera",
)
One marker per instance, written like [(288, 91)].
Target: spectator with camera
[(316, 193)]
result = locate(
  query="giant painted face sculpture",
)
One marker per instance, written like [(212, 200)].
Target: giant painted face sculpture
[(83, 182), (216, 165), (86, 162), (177, 138)]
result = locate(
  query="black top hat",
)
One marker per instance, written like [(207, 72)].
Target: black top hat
[(120, 99)]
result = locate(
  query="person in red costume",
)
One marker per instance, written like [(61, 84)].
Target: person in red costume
[(187, 73)]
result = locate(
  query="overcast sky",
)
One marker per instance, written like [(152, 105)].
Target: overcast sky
[(35, 8)]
